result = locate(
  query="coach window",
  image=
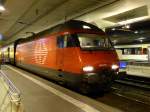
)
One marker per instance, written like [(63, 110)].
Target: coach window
[(138, 51), (144, 50), (127, 51)]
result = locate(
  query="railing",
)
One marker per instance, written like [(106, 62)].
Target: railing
[(10, 100)]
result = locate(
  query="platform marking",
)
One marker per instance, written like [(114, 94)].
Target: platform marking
[(77, 103)]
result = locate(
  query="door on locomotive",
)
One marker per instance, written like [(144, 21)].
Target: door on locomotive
[(60, 53), (67, 59)]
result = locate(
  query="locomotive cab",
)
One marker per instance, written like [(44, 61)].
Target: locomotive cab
[(99, 60)]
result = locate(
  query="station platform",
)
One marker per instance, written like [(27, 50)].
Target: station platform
[(135, 73), (140, 69), (41, 95)]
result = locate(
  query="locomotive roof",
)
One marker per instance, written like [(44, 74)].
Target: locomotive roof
[(69, 25), (76, 24)]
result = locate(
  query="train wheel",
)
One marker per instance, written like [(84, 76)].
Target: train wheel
[(84, 88), (61, 82), (108, 86)]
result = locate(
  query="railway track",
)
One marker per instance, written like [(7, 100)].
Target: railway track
[(132, 92), (127, 98), (141, 82)]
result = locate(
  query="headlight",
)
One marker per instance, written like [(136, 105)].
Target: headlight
[(88, 68), (114, 67)]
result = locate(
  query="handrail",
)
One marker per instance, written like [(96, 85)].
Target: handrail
[(13, 91), (10, 101)]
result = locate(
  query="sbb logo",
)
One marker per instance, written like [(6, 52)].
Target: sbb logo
[(41, 51)]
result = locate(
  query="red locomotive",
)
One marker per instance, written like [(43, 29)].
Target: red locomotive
[(76, 53)]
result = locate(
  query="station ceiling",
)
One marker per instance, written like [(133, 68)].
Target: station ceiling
[(138, 33), (22, 17)]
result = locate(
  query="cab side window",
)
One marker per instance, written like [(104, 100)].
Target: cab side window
[(67, 41), (60, 42), (72, 41)]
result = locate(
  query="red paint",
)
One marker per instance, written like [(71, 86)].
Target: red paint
[(44, 52)]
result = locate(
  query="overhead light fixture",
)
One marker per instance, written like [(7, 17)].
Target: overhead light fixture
[(86, 27), (2, 8), (115, 41), (133, 20), (127, 26), (113, 29), (136, 32), (141, 39)]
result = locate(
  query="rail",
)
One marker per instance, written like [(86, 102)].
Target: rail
[(10, 100)]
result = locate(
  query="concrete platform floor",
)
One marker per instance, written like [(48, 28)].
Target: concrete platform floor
[(40, 95)]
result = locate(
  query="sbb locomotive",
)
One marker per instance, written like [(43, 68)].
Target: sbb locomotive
[(75, 52)]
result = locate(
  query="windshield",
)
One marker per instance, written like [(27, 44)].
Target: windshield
[(94, 41)]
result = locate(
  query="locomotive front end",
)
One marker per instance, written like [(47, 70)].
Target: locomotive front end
[(99, 61)]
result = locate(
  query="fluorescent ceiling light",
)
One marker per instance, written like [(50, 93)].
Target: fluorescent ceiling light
[(2, 8), (127, 26), (133, 20), (113, 29), (115, 41), (136, 32), (86, 27), (141, 38)]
